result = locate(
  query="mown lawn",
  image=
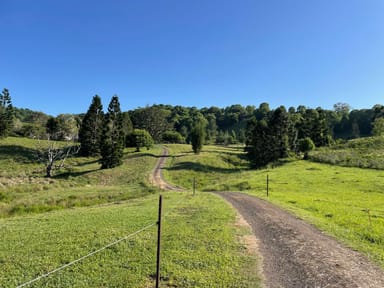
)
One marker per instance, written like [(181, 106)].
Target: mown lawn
[(200, 245), (346, 202)]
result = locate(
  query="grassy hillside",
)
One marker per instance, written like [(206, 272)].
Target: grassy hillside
[(346, 202), (201, 244), (362, 152), (24, 189)]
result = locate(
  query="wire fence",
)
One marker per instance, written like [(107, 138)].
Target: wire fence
[(86, 256), (104, 247)]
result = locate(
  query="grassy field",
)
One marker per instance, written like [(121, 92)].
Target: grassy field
[(200, 245), (362, 152), (46, 223), (24, 189), (346, 202)]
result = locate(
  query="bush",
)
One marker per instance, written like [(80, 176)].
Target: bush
[(173, 137), (139, 138), (306, 145)]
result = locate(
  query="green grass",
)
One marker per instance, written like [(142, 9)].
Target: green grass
[(362, 152), (336, 199), (210, 168), (24, 189), (50, 226), (199, 241)]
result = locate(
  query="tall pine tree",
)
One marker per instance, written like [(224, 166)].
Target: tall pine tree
[(258, 143), (91, 129), (198, 135), (279, 124), (6, 113), (112, 141), (267, 139)]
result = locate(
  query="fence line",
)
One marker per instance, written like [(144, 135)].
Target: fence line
[(86, 256), (101, 249)]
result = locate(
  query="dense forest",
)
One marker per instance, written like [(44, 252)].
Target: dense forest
[(268, 133)]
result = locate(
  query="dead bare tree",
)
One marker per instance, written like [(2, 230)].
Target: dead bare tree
[(53, 154)]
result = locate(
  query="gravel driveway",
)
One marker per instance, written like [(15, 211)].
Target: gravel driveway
[(295, 254)]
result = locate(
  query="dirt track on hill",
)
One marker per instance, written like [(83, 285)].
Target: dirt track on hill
[(156, 177), (295, 254)]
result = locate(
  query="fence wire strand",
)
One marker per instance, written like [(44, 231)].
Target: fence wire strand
[(105, 247), (86, 256)]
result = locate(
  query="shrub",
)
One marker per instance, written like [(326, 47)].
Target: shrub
[(173, 137)]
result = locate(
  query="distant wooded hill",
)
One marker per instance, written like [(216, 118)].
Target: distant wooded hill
[(223, 125)]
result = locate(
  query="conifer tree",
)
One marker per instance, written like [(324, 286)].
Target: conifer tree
[(198, 136), (260, 147), (278, 124), (6, 113), (268, 138), (112, 142), (91, 129)]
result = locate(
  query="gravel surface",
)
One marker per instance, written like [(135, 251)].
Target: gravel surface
[(295, 254)]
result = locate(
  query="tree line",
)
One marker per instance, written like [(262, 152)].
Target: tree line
[(268, 134)]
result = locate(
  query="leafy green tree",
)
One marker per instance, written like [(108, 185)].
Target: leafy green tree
[(141, 138), (33, 131), (68, 127), (378, 111), (378, 127), (173, 137), (6, 113), (198, 135), (211, 128), (153, 119), (313, 124), (306, 145), (62, 127), (52, 127), (127, 124), (91, 129), (112, 141), (263, 111)]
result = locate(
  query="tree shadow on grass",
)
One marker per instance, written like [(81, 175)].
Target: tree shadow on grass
[(18, 153), (133, 155), (88, 163), (68, 174), (198, 167)]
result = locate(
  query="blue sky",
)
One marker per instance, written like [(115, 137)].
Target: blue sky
[(56, 55)]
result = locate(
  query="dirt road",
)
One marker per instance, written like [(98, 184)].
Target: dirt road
[(295, 254), (156, 177)]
